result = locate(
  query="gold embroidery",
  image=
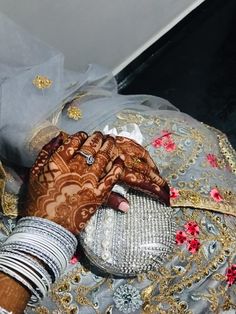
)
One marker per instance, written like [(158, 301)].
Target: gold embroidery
[(74, 112), (42, 310), (40, 136), (42, 82), (226, 148), (163, 289), (166, 286), (10, 205), (189, 198), (61, 291), (194, 186), (8, 201)]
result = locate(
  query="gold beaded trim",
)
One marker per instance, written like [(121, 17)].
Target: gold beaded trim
[(189, 198)]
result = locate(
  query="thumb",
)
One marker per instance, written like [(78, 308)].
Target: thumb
[(118, 202)]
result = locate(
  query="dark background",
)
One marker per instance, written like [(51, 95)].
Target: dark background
[(193, 66)]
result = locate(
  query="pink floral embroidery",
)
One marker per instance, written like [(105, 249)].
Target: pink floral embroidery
[(192, 228), (169, 146), (164, 141), (193, 245), (231, 274), (189, 237), (212, 159), (181, 237), (174, 193), (157, 143), (74, 259), (215, 194)]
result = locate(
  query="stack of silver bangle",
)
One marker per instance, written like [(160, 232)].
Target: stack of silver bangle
[(36, 254)]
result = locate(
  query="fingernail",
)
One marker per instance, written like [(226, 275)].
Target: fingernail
[(124, 207)]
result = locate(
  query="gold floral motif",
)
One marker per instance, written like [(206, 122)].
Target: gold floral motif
[(10, 205), (74, 113), (41, 310), (42, 82)]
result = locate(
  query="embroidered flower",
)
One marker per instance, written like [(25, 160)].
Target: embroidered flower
[(215, 194), (192, 228), (174, 193), (157, 143), (180, 237), (231, 275), (164, 141), (127, 298), (74, 259), (212, 159), (189, 237), (193, 245), (169, 146)]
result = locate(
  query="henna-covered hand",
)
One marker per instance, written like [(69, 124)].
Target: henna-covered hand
[(64, 188), (140, 171)]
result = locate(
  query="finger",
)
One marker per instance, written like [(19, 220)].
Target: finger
[(131, 148), (90, 147), (46, 153), (111, 178), (155, 176), (104, 157), (142, 182), (117, 201), (70, 145), (137, 165)]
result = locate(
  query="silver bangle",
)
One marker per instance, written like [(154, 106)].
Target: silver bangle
[(48, 242), (50, 225), (41, 243), (46, 257), (27, 273), (32, 263), (43, 236), (69, 249)]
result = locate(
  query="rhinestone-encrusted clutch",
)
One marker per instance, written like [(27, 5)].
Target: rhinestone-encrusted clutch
[(128, 244)]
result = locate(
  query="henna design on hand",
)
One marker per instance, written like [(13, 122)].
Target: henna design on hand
[(64, 188), (140, 171)]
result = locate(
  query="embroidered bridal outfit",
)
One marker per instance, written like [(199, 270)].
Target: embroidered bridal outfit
[(154, 259)]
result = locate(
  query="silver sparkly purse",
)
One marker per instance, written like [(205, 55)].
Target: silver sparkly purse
[(128, 244)]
